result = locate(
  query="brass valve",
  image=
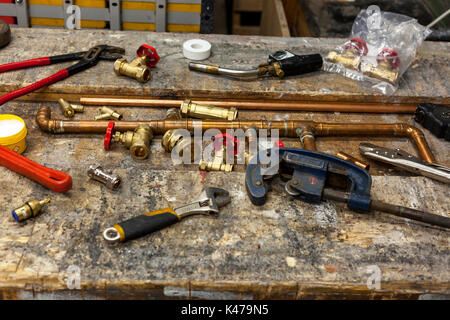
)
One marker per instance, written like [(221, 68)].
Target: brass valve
[(173, 113), (351, 57), (139, 67), (195, 110), (69, 109), (29, 209), (387, 68), (138, 141), (218, 163), (106, 113)]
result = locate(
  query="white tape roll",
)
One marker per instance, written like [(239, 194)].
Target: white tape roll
[(197, 49)]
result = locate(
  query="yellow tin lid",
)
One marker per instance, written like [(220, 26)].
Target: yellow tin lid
[(10, 131)]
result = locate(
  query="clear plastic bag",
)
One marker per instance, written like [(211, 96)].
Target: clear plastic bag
[(382, 46)]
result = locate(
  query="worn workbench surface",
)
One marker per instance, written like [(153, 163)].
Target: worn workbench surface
[(285, 249)]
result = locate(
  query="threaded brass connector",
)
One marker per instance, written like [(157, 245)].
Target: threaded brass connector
[(136, 69), (138, 141), (348, 59), (29, 209), (215, 166), (195, 110)]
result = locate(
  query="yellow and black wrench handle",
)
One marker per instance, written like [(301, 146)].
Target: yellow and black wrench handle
[(147, 223)]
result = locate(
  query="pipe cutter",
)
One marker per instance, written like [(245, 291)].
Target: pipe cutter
[(314, 176)]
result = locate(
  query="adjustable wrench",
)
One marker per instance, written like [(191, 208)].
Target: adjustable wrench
[(404, 160), (209, 202)]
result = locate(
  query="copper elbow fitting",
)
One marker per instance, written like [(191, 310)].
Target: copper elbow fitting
[(138, 141), (136, 69)]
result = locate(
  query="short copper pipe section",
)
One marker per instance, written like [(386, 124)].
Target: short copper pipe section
[(257, 105), (286, 128)]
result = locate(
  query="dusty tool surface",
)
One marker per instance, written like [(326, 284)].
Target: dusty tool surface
[(285, 249), (426, 79)]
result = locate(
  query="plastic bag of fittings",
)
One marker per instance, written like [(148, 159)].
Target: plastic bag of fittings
[(382, 46)]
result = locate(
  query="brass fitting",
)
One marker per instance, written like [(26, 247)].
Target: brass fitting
[(215, 165), (138, 141), (306, 137), (106, 113), (66, 108), (382, 71), (136, 69), (173, 113), (195, 110), (174, 138), (29, 209), (348, 59)]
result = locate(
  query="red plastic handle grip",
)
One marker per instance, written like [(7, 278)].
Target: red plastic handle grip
[(53, 179), (25, 64), (33, 87)]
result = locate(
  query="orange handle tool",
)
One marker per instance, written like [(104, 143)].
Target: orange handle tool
[(53, 179)]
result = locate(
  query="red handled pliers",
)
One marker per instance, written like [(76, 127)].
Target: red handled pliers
[(87, 59)]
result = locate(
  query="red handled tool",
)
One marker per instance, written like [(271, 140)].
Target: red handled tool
[(53, 179), (87, 59)]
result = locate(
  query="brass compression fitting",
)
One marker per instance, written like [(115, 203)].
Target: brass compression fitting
[(138, 141)]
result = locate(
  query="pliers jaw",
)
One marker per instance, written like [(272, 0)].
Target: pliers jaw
[(93, 55)]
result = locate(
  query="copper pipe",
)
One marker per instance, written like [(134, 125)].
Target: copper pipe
[(355, 161), (287, 128), (256, 105)]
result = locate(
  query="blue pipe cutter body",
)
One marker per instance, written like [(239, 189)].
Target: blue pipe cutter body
[(311, 171)]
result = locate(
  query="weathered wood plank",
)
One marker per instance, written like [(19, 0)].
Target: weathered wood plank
[(426, 80)]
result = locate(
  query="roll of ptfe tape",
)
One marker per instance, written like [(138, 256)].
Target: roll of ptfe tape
[(197, 49)]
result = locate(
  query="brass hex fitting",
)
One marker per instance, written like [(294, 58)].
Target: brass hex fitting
[(106, 113), (170, 139), (136, 69), (29, 209), (382, 71), (195, 110), (138, 141)]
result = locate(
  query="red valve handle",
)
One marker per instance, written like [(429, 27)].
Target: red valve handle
[(150, 52), (278, 144), (391, 56), (53, 179), (227, 140), (108, 135), (358, 44)]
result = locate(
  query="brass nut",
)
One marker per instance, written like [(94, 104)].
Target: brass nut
[(173, 113), (136, 69), (195, 110)]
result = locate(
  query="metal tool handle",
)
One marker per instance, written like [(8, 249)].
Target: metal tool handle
[(53, 179), (141, 225)]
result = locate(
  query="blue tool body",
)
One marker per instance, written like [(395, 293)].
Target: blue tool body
[(311, 171)]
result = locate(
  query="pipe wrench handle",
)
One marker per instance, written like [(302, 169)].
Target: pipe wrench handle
[(53, 179), (141, 225)]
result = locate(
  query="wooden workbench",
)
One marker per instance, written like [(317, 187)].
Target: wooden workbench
[(284, 249)]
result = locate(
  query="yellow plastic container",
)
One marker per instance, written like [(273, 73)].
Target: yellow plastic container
[(16, 141)]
